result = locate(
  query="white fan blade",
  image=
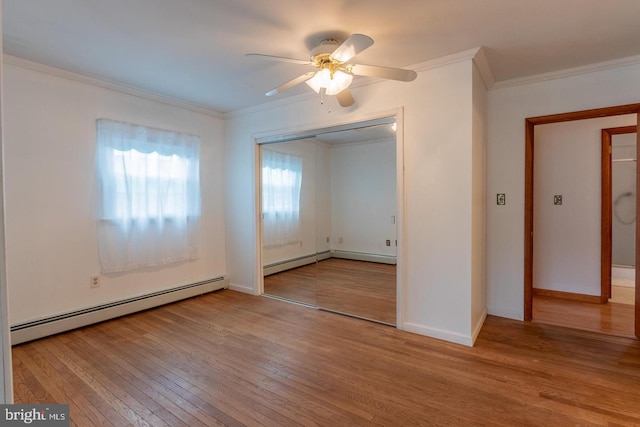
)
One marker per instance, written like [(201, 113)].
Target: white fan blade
[(383, 72), (345, 98), (351, 47), (291, 83), (279, 58)]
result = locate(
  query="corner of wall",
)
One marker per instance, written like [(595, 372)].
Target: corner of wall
[(243, 288), (482, 64)]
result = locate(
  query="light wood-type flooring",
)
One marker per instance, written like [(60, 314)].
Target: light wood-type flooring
[(360, 288), (617, 317), (228, 358)]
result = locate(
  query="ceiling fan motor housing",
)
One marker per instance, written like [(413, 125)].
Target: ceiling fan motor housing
[(320, 54)]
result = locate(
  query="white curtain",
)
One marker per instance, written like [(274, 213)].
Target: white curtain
[(281, 181), (148, 196)]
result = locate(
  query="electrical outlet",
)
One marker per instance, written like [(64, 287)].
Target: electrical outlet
[(339, 239), (94, 281), (388, 242)]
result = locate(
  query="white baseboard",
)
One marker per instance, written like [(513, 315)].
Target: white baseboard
[(40, 328), (440, 334), (478, 327), (625, 273)]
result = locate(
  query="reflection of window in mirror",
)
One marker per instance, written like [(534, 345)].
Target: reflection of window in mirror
[(281, 181)]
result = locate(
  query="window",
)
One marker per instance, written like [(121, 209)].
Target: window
[(148, 196), (281, 181)]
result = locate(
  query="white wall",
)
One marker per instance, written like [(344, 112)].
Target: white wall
[(348, 191), (363, 191), (567, 237), (6, 383), (437, 242), (508, 108), (49, 168), (323, 194)]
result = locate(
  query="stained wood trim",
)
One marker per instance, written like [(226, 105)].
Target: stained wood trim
[(585, 114), (637, 305), (620, 130), (528, 221), (530, 124), (568, 295), (606, 233)]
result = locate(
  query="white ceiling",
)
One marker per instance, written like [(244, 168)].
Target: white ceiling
[(193, 50)]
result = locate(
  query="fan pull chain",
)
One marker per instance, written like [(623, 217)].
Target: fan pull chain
[(323, 92)]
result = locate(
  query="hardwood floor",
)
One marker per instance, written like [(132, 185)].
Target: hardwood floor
[(612, 318), (228, 358), (360, 288), (298, 284)]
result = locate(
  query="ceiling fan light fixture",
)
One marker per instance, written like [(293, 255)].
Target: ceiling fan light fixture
[(333, 83), (334, 69)]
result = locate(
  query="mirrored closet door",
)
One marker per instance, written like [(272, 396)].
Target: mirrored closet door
[(329, 219)]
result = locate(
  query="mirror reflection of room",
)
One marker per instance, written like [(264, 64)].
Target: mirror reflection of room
[(343, 257), (288, 219), (623, 206)]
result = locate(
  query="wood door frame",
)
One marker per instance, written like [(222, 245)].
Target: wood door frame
[(607, 204), (530, 124)]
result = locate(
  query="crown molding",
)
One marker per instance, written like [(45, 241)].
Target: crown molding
[(442, 61), (569, 72), (105, 84), (482, 63), (286, 100), (476, 54)]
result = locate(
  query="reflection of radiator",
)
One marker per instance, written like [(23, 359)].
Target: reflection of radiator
[(361, 256), (278, 267), (64, 322)]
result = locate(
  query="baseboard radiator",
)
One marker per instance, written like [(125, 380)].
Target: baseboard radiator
[(361, 256), (32, 330), (279, 267), (289, 264)]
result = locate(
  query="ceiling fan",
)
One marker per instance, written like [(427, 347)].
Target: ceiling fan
[(334, 70)]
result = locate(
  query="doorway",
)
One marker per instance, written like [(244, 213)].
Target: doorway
[(530, 127)]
